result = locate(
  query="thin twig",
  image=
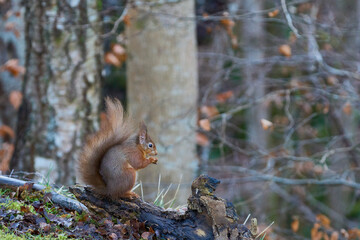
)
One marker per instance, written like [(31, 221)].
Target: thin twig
[(288, 19), (117, 23), (264, 230), (247, 219), (259, 176)]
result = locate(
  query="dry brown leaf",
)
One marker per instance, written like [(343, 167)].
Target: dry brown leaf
[(110, 58), (315, 234), (295, 224), (326, 237), (11, 27), (205, 15), (234, 42), (326, 109), (119, 52), (6, 131), (6, 153), (205, 124), (327, 47), (209, 111), (227, 23), (285, 50), (347, 108), (324, 220), (113, 236), (202, 140), (304, 167), (222, 97), (334, 236), (318, 170), (354, 234), (45, 227), (266, 124), (13, 67), (15, 98), (273, 13), (8, 14), (332, 80), (147, 235), (304, 7)]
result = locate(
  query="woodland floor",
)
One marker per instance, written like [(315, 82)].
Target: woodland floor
[(29, 214)]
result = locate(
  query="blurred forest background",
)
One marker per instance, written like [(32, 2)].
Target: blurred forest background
[(263, 95)]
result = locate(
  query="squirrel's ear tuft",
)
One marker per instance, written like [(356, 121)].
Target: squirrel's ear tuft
[(142, 133), (142, 126)]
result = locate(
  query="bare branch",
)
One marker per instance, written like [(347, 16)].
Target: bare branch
[(288, 18), (117, 23), (259, 176)]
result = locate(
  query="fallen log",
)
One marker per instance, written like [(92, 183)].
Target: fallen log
[(62, 201), (207, 217)]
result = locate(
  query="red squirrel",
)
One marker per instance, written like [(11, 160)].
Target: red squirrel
[(111, 157)]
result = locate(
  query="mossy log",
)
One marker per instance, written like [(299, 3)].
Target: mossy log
[(62, 201), (207, 216)]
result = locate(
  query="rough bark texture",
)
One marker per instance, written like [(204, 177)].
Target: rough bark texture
[(162, 87), (207, 217), (61, 86)]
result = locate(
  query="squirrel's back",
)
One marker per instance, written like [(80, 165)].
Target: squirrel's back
[(114, 132)]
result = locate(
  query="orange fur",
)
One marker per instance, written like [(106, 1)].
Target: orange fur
[(110, 157)]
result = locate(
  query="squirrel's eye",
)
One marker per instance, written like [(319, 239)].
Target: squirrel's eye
[(150, 145)]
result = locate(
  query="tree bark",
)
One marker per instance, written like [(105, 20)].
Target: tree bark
[(60, 88), (162, 87), (207, 216)]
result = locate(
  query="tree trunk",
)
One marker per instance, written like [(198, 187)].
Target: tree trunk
[(162, 87), (12, 46), (61, 86), (252, 36)]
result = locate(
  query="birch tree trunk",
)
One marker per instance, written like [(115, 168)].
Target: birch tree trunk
[(61, 86), (162, 88), (12, 46)]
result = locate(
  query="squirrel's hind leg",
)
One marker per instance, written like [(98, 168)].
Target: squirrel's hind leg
[(120, 185)]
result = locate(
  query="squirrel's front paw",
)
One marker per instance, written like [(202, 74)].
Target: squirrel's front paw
[(154, 160)]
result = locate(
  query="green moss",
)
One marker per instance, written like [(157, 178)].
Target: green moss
[(14, 205), (9, 236), (6, 234), (4, 191)]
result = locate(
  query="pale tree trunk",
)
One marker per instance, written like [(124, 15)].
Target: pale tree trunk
[(252, 37), (12, 46), (61, 86), (162, 88)]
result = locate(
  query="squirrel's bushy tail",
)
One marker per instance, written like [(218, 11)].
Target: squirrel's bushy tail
[(115, 131)]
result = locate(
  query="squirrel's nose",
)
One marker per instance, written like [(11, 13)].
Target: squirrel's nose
[(155, 152)]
